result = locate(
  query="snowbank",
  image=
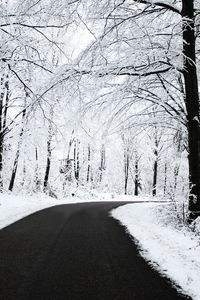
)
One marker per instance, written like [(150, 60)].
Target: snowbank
[(173, 252), (14, 207)]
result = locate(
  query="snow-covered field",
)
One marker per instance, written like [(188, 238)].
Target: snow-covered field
[(175, 252)]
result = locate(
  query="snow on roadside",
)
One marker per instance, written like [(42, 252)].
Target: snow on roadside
[(15, 207), (174, 253)]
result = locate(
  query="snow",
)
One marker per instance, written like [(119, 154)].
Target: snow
[(15, 207), (174, 252)]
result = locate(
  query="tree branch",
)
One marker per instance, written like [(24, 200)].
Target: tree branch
[(162, 4)]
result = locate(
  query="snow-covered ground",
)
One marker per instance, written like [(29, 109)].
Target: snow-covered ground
[(14, 207), (174, 251)]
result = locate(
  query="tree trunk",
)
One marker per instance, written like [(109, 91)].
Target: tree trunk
[(89, 162), (1, 132), (102, 163), (48, 164), (176, 172), (7, 90), (2, 94), (37, 180), (76, 161), (126, 169), (192, 106), (155, 173), (126, 185), (70, 144), (24, 174), (136, 177), (165, 180), (15, 165)]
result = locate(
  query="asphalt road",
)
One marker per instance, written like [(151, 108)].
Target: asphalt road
[(76, 252)]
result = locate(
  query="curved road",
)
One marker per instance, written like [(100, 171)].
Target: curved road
[(76, 252)]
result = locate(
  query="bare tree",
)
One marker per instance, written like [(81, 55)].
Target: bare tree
[(137, 181), (77, 160), (49, 150), (102, 167), (16, 160), (4, 101), (89, 164)]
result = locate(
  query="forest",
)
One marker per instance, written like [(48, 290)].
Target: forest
[(101, 96)]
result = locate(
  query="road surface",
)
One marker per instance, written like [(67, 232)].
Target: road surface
[(76, 252)]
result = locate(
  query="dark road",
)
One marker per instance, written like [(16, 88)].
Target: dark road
[(76, 252)]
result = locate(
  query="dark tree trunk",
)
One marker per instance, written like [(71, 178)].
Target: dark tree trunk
[(136, 177), (126, 185), (165, 179), (36, 167), (48, 164), (155, 173), (70, 144), (2, 85), (126, 170), (126, 167), (3, 117), (7, 89), (76, 161), (37, 180), (15, 164), (89, 162), (1, 133), (192, 106)]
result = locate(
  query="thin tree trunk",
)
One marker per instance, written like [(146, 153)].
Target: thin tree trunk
[(70, 144), (176, 172), (7, 89), (2, 86), (126, 185), (136, 177), (89, 163), (155, 173), (16, 160), (37, 180), (192, 106), (48, 166), (102, 163), (126, 169), (76, 161), (48, 163), (165, 179)]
